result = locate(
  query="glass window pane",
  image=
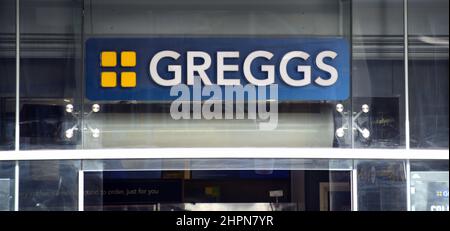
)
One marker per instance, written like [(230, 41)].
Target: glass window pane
[(263, 190), (378, 74), (7, 73), (50, 73), (428, 72), (130, 124), (7, 182), (381, 185), (48, 185), (429, 185)]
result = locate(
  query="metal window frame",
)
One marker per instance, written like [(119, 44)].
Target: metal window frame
[(226, 153), (17, 115), (354, 187)]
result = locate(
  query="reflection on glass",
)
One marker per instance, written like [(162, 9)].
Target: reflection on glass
[(261, 190), (7, 180), (381, 185), (48, 185), (7, 73), (428, 72), (429, 191), (378, 74), (429, 186), (50, 74)]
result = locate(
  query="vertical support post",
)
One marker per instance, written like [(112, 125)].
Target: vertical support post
[(408, 185), (354, 185), (17, 118), (407, 131), (80, 190), (16, 186), (406, 68)]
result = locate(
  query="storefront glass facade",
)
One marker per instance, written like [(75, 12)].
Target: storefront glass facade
[(317, 158)]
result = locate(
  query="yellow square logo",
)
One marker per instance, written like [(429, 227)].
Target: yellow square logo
[(109, 79), (128, 79), (108, 59), (128, 58)]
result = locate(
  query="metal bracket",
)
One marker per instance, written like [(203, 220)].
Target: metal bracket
[(341, 131), (363, 131), (78, 117)]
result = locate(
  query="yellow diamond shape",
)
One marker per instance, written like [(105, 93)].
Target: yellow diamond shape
[(108, 59), (128, 59), (109, 79), (128, 79)]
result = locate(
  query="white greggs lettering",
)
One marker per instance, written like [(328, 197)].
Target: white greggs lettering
[(200, 70)]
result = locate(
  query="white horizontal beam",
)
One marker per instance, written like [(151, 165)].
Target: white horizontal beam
[(226, 153)]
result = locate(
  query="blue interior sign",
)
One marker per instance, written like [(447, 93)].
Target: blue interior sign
[(145, 69)]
